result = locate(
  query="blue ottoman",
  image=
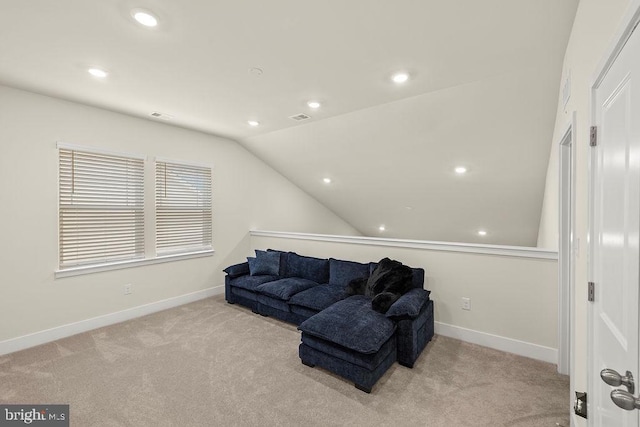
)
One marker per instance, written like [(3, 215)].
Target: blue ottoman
[(351, 340)]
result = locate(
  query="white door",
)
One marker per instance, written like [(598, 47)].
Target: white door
[(616, 239)]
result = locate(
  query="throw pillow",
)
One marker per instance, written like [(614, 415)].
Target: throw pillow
[(265, 263), (410, 304), (252, 265)]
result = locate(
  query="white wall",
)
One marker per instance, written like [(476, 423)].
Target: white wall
[(593, 29), (406, 151), (514, 302), (595, 24), (247, 194)]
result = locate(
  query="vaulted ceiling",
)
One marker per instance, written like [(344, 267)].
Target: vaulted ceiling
[(482, 93)]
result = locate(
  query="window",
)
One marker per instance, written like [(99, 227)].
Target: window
[(101, 207), (183, 208), (102, 218)]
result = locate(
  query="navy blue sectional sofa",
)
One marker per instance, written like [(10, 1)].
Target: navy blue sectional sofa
[(340, 333)]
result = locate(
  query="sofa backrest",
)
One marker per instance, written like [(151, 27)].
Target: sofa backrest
[(342, 272), (316, 269), (418, 277), (333, 271)]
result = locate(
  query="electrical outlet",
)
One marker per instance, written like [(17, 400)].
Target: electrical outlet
[(466, 303), (127, 289)]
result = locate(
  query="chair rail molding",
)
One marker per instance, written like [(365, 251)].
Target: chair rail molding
[(510, 251)]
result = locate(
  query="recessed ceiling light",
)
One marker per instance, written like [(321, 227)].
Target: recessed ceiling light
[(97, 72), (460, 170), (145, 18), (382, 228), (253, 123), (313, 104), (400, 77), (482, 233), (327, 180)]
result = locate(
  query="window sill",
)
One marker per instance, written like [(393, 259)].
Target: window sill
[(78, 271)]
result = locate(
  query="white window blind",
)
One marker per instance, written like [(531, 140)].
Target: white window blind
[(101, 207), (183, 208)]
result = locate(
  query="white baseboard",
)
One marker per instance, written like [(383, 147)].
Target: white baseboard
[(48, 335), (497, 342), (521, 348)]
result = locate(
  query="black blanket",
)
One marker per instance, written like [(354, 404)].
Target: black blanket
[(388, 282)]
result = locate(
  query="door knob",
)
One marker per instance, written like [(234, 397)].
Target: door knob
[(613, 378), (625, 400)]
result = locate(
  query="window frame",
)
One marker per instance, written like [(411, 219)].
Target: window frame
[(150, 255)]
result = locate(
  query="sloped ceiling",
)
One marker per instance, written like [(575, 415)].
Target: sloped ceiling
[(483, 93)]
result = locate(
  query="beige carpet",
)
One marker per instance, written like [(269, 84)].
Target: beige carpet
[(213, 364)]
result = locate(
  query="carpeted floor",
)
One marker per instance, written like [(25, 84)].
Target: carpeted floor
[(213, 364)]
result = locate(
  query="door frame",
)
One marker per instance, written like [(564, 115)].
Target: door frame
[(566, 233), (566, 246), (630, 20)]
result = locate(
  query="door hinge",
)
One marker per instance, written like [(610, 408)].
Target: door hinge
[(593, 136), (591, 296)]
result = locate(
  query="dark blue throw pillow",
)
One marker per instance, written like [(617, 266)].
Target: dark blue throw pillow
[(252, 264), (283, 261), (410, 304), (265, 263)]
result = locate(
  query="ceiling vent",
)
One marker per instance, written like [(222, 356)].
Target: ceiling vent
[(299, 117), (161, 116)]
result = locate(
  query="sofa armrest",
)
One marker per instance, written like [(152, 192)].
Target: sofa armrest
[(413, 335), (409, 305), (237, 270)]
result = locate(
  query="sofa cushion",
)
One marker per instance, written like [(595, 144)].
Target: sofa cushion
[(409, 304), (284, 289), (250, 283), (367, 361), (351, 323), (251, 296), (316, 269), (342, 272), (265, 263), (273, 303), (319, 297), (237, 270), (303, 311)]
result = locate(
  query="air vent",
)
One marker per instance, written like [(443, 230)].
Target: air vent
[(299, 117), (161, 116)]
